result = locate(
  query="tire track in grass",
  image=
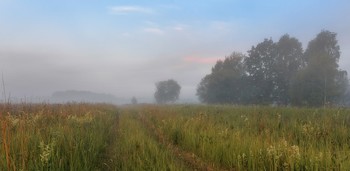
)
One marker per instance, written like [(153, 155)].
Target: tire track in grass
[(107, 161), (135, 149), (190, 159)]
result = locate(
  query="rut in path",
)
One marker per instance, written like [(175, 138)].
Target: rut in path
[(190, 159), (107, 162)]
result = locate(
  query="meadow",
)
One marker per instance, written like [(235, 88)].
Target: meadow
[(173, 137), (55, 137)]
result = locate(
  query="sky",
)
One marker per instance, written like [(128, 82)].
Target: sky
[(124, 47)]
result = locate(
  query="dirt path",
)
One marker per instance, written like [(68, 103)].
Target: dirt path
[(190, 159)]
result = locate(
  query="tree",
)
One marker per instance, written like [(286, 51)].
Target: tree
[(225, 84), (320, 82), (279, 73), (260, 68), (133, 100), (345, 100), (289, 60), (167, 91)]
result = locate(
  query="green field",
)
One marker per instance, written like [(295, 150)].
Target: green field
[(174, 137)]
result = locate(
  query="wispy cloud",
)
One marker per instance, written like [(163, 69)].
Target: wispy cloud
[(222, 25), (154, 31), (179, 27), (130, 9)]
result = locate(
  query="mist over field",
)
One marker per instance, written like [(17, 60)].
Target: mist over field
[(174, 85), (116, 50)]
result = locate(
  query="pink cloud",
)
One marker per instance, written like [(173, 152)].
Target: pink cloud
[(201, 60)]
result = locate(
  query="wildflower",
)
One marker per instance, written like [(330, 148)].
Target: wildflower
[(87, 118), (284, 144), (37, 117), (308, 128), (46, 151), (295, 152), (15, 121), (245, 118), (271, 151)]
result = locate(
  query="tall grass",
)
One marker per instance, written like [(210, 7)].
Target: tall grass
[(259, 138), (136, 149), (103, 137), (54, 137)]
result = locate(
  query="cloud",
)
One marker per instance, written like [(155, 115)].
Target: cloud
[(154, 31), (201, 60), (130, 9), (180, 27), (150, 23)]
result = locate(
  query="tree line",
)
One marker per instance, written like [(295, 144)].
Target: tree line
[(279, 73)]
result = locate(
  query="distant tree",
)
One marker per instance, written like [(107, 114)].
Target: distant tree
[(279, 73), (262, 77), (261, 74), (133, 100), (289, 60), (345, 100), (167, 91), (225, 84), (321, 81)]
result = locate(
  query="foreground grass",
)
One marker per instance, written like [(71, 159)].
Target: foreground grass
[(259, 138), (103, 137), (136, 149), (55, 137)]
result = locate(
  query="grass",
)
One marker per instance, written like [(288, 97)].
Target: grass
[(259, 138), (175, 137), (136, 149), (54, 137)]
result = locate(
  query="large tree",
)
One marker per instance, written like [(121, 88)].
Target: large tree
[(225, 84), (289, 60), (260, 68), (321, 81), (167, 91), (279, 73)]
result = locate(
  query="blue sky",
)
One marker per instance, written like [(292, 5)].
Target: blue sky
[(124, 47)]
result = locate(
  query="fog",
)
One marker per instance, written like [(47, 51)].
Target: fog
[(122, 48)]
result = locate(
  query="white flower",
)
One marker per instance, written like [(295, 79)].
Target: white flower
[(46, 151)]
